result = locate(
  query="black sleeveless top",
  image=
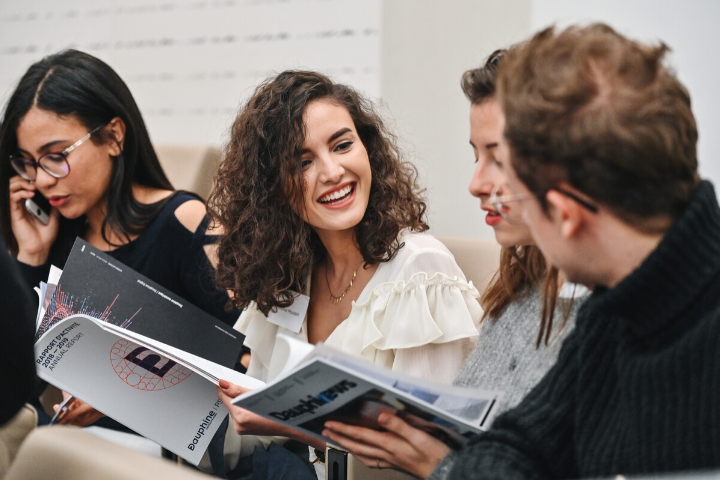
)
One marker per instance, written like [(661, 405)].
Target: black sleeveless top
[(167, 253)]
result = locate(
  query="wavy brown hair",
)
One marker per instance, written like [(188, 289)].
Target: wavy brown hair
[(605, 114), (521, 267), (266, 249)]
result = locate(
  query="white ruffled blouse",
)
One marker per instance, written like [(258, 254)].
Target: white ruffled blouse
[(418, 315)]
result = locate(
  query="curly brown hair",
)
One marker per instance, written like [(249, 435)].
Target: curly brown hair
[(266, 250)]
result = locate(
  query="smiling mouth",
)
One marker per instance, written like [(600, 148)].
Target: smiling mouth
[(338, 196)]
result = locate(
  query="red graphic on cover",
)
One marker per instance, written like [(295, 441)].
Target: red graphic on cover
[(144, 369)]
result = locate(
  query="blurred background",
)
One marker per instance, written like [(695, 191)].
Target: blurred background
[(191, 63)]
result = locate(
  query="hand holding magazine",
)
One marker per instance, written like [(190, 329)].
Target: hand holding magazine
[(330, 385)]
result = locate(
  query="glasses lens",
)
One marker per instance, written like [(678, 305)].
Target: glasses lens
[(55, 164), (24, 167), (507, 204)]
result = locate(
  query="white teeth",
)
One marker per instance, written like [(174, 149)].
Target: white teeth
[(334, 196)]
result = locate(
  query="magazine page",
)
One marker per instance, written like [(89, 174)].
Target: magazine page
[(211, 371), (469, 404), (149, 393), (319, 390), (95, 284), (41, 311)]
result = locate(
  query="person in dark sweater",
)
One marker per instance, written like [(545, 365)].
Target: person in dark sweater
[(603, 162), (72, 132), (17, 320)]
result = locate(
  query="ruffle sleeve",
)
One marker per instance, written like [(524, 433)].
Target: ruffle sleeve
[(260, 335), (406, 314)]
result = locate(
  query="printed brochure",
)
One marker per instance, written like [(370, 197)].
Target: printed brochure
[(330, 385), (159, 391)]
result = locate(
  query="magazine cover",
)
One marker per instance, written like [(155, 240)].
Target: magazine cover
[(158, 391), (95, 284), (329, 385)]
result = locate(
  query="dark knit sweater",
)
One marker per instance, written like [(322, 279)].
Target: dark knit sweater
[(637, 385)]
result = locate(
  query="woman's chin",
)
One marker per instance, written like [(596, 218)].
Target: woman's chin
[(70, 213), (336, 220)]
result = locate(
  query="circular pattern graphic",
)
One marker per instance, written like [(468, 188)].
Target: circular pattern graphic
[(144, 369)]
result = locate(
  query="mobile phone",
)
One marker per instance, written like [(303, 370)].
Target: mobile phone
[(39, 207), (336, 464)]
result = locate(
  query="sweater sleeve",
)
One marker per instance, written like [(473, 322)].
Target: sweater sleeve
[(533, 440), (17, 375), (33, 275)]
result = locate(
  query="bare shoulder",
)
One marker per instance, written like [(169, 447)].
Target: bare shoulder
[(190, 214)]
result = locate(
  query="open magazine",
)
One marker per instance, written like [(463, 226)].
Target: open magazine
[(330, 385), (135, 351), (161, 392)]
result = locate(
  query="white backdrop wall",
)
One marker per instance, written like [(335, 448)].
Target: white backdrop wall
[(690, 29), (426, 47), (190, 63)]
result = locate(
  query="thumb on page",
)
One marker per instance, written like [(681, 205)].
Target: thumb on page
[(230, 389)]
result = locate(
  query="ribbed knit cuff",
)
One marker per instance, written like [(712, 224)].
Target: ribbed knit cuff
[(442, 470)]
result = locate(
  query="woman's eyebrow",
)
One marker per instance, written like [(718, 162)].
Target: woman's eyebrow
[(340, 132), (44, 148), (49, 145)]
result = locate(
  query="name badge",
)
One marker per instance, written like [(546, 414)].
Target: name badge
[(291, 317)]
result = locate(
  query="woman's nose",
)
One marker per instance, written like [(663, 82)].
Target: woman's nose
[(44, 179), (331, 170), (480, 184)]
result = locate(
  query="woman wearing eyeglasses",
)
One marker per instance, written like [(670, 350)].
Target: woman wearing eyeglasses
[(72, 132), (512, 354)]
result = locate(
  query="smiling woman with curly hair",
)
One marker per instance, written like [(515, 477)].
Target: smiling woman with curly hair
[(313, 197)]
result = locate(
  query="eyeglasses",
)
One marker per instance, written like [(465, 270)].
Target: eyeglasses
[(54, 164), (513, 214)]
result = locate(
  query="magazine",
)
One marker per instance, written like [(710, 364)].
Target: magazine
[(330, 385), (135, 351), (95, 284), (161, 392)]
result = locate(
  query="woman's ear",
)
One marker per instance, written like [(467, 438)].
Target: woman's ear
[(116, 131)]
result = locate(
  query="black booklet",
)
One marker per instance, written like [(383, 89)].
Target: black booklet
[(95, 284)]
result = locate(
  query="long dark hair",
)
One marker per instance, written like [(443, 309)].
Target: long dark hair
[(77, 84), (267, 249)]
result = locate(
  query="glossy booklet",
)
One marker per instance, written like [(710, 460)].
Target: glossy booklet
[(326, 384), (95, 284), (161, 392), (135, 351)]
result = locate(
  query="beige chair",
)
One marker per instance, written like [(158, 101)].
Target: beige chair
[(478, 258), (68, 453), (13, 433), (189, 167)]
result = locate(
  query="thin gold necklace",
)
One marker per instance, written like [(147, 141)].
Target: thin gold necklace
[(337, 299)]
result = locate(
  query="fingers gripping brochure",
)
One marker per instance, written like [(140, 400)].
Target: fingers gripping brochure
[(330, 385), (161, 392)]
